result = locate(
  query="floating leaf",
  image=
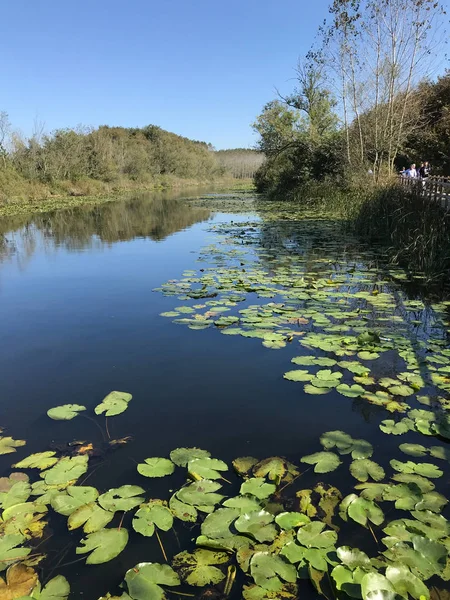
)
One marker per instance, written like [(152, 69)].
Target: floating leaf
[(413, 449), (201, 494), (206, 468), (197, 568), (182, 511), (314, 536), (181, 456), (315, 391), (144, 580), (405, 583), (275, 468), (423, 469), (124, 498), (257, 486), (40, 460), (291, 520), (339, 439), (353, 557), (375, 586), (9, 551), (298, 375), (91, 516), (258, 525), (113, 404), (390, 426), (67, 469), (8, 445), (401, 390), (57, 588), (217, 524), (324, 461), (244, 464), (104, 545), (362, 510), (156, 467), (18, 493), (362, 469), (20, 581), (65, 503), (66, 412), (269, 571), (151, 515), (352, 391)]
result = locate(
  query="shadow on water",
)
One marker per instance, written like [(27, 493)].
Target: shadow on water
[(79, 319)]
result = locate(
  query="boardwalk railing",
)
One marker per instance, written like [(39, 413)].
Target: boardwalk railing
[(436, 189)]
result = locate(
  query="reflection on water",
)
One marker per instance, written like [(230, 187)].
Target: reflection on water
[(147, 215)]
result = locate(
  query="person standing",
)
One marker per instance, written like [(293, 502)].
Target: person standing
[(412, 172), (424, 170)]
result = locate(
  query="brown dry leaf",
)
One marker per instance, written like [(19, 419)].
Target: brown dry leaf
[(20, 581), (121, 441), (85, 449)]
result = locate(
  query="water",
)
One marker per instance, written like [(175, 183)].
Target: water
[(79, 319)]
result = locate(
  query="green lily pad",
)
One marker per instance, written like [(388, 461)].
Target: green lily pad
[(314, 536), (258, 487), (57, 588), (66, 412), (66, 469), (316, 391), (291, 520), (423, 469), (351, 391), (91, 516), (324, 461), (269, 571), (11, 549), (123, 498), (353, 558), (66, 502), (413, 449), (361, 510), (181, 456), (401, 390), (113, 404), (201, 494), (182, 511), (8, 445), (18, 493), (258, 525), (364, 468), (151, 515), (40, 460), (275, 468), (375, 586), (298, 375), (244, 464), (405, 583), (104, 545), (391, 427), (217, 524), (206, 468), (144, 581), (156, 467), (197, 568)]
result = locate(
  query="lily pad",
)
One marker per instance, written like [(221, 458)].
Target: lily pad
[(324, 461), (269, 571), (40, 460), (197, 568), (113, 404), (8, 445), (364, 468), (351, 391), (124, 498), (91, 516), (314, 536), (156, 467), (181, 456), (66, 469), (65, 503), (20, 581), (258, 487), (206, 468), (298, 375), (258, 525), (151, 515), (104, 545), (144, 581), (66, 412)]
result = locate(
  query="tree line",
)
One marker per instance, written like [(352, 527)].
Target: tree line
[(242, 163), (364, 101), (85, 160)]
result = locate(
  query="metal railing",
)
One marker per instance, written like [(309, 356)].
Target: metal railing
[(436, 189)]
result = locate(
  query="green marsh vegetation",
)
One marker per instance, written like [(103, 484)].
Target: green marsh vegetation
[(340, 521), (364, 101)]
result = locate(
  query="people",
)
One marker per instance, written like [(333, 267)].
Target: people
[(412, 171), (424, 170)]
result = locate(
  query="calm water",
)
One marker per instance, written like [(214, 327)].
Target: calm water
[(79, 319)]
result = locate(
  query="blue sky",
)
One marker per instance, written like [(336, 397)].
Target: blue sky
[(200, 68)]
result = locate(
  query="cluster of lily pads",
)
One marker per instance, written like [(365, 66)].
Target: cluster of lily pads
[(262, 538)]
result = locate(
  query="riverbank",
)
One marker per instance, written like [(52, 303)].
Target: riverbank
[(53, 199)]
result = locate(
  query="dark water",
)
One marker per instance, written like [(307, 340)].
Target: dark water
[(79, 319)]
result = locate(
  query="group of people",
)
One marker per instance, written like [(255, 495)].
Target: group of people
[(421, 173)]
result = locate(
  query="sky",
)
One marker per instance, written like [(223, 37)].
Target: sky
[(200, 68)]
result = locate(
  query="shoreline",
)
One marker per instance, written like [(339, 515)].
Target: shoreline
[(58, 202)]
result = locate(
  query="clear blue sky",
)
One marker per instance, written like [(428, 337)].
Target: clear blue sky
[(200, 68)]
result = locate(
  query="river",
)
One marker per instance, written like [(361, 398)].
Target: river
[(81, 297)]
